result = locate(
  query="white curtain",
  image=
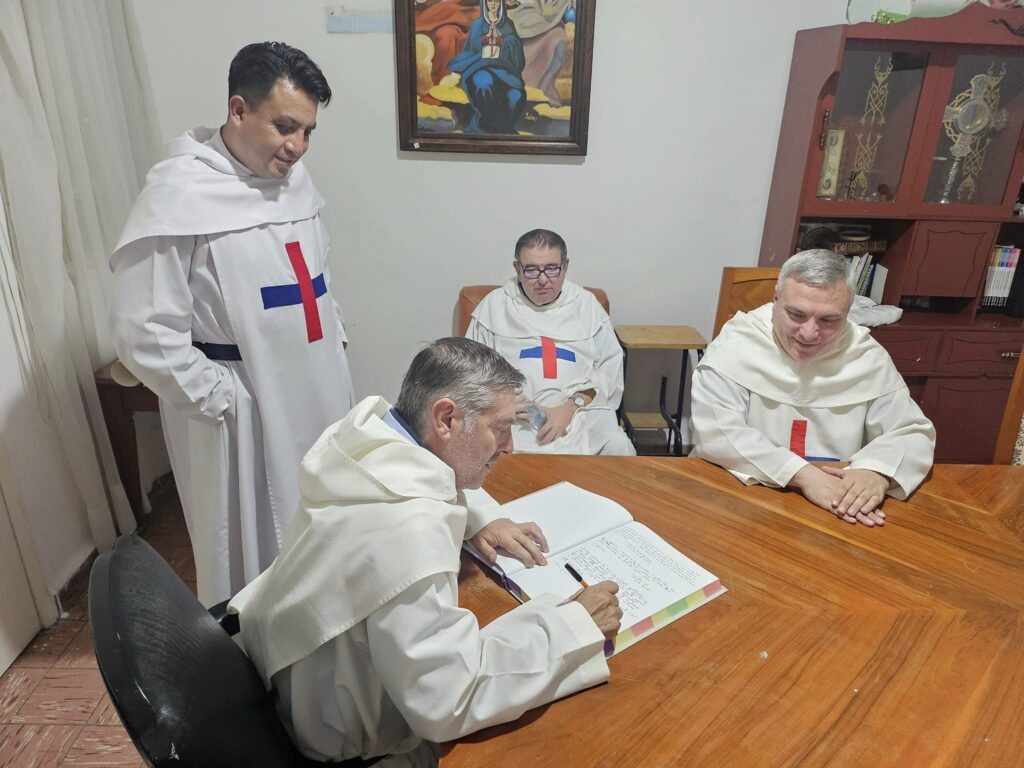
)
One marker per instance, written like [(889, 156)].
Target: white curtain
[(77, 137)]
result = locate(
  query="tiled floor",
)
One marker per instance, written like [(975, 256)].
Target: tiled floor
[(54, 710)]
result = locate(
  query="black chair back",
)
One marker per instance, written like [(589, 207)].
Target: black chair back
[(187, 695)]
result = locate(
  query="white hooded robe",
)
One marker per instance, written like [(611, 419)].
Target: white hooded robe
[(763, 415), (212, 253), (357, 625), (561, 348)]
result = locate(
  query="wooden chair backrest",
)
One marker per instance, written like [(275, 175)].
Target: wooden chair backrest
[(1010, 427), (471, 295), (743, 289)]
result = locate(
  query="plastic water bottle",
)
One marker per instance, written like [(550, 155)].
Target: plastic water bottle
[(538, 418)]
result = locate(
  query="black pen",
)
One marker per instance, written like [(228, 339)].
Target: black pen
[(575, 574)]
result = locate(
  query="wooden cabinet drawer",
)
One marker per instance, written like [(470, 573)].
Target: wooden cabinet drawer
[(966, 413), (989, 353), (948, 258), (912, 351)]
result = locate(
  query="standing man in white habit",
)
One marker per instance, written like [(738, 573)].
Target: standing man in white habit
[(223, 309), (792, 387), (561, 339), (357, 626)]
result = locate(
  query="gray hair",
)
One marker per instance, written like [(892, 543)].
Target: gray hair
[(817, 266), (469, 373), (542, 238)]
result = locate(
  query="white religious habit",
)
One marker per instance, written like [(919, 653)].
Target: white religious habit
[(763, 415), (564, 347), (357, 625), (213, 255)]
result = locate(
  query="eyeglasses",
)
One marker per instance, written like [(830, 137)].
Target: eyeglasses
[(532, 272)]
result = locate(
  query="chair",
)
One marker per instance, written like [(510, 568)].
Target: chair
[(743, 289), (1011, 429), (471, 295), (187, 695)]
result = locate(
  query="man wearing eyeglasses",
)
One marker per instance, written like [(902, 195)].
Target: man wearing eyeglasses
[(561, 339)]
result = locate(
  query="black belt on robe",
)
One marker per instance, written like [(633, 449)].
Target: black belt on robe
[(218, 351), (359, 762)]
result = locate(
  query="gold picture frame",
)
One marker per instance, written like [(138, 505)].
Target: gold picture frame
[(534, 58)]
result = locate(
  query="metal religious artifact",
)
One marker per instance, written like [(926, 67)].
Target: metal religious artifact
[(969, 121)]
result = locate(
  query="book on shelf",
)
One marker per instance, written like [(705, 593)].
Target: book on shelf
[(864, 275), (601, 541), (877, 287), (861, 271), (999, 276), (852, 247), (1015, 301)]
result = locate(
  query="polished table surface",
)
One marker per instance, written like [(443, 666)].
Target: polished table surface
[(835, 645)]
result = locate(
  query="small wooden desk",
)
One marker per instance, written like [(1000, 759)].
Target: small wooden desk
[(836, 645), (681, 338)]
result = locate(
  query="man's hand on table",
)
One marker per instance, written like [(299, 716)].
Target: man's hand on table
[(602, 605), (860, 495), (851, 499), (523, 541)]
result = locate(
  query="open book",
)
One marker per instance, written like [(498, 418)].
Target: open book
[(600, 540)]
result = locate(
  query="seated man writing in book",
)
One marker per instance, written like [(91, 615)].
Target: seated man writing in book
[(356, 624), (794, 383), (561, 339)]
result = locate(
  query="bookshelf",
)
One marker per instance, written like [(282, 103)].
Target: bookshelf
[(910, 135)]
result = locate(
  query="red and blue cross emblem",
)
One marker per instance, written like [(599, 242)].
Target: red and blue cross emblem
[(304, 292), (798, 442), (549, 354)]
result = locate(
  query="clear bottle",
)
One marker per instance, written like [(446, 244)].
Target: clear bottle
[(538, 418)]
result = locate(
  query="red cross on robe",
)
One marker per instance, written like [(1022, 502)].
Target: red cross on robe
[(548, 356), (314, 332), (798, 437)]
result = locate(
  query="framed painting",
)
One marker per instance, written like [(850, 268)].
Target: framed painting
[(502, 76)]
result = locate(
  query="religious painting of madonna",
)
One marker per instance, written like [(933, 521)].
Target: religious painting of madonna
[(508, 76)]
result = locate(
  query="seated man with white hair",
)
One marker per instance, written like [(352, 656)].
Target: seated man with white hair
[(357, 626), (794, 384)]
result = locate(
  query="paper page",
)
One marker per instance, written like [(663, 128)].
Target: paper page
[(567, 515), (651, 573), (878, 284)]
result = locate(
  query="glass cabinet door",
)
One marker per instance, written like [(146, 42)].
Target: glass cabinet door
[(980, 127), (870, 125)]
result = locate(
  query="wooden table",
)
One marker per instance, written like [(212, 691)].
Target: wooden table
[(836, 644)]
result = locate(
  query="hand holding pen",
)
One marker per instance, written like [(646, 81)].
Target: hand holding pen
[(600, 602)]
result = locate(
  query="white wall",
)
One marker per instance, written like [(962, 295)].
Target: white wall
[(685, 110)]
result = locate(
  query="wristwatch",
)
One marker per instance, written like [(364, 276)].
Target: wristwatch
[(579, 401)]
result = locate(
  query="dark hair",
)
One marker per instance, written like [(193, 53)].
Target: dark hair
[(471, 374), (541, 238), (256, 68)]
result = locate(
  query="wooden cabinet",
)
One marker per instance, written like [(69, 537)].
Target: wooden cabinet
[(912, 132), (946, 258), (913, 351), (992, 353), (959, 408), (961, 378)]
